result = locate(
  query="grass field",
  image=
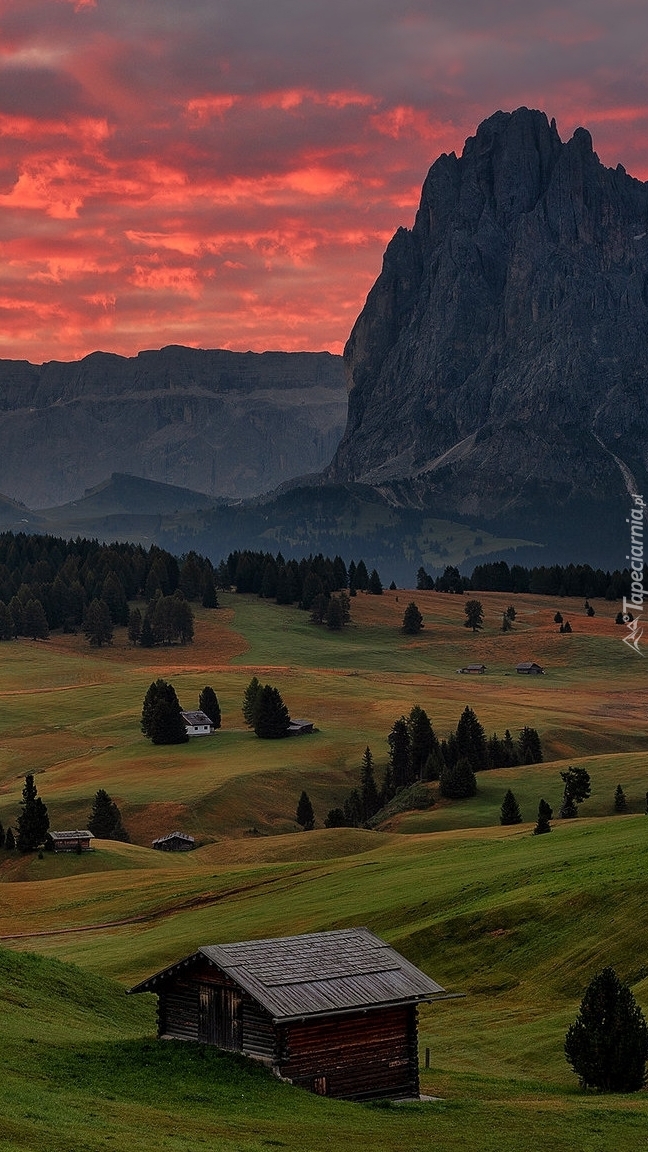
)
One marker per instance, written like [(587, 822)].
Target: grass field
[(517, 923)]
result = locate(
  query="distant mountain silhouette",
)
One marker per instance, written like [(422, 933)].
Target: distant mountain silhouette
[(230, 424)]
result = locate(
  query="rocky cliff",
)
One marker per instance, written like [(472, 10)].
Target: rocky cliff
[(225, 423), (499, 368)]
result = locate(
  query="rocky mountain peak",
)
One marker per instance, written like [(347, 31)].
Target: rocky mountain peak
[(501, 359)]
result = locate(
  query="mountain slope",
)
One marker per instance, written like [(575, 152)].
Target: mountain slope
[(225, 423), (499, 366)]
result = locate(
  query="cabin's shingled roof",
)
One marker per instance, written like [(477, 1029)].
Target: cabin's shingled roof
[(317, 974)]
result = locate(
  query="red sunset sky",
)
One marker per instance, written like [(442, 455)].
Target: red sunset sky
[(227, 173)]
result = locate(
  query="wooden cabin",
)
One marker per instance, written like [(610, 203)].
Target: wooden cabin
[(300, 727), (174, 842), (198, 723), (76, 841), (530, 668), (334, 1012), (473, 669)]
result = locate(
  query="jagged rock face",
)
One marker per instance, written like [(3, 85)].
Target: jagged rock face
[(501, 359), (224, 423)]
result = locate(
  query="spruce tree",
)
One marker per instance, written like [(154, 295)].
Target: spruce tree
[(209, 597), (620, 802), (208, 703), (529, 747), (10, 840), (368, 790), (412, 619), (272, 718), (335, 818), (97, 623), (375, 584), (474, 615), (305, 815), (400, 754), (577, 788), (251, 701), (33, 821), (422, 741), (510, 810), (607, 1045), (545, 813), (34, 621), (162, 719), (134, 626), (105, 819), (458, 782), (471, 740)]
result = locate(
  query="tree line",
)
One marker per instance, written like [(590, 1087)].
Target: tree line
[(298, 582), (544, 580), (47, 582)]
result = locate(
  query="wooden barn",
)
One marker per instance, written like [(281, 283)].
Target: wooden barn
[(334, 1012), (529, 668), (174, 842)]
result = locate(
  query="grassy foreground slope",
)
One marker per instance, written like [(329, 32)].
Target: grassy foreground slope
[(516, 922)]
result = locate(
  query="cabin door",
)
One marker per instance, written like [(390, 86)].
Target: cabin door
[(221, 1017)]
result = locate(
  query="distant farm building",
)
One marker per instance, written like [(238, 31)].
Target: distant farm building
[(300, 727), (529, 668), (175, 842), (198, 724), (334, 1012), (77, 841), (475, 669)]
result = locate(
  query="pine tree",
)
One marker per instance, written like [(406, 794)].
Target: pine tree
[(400, 754), (607, 1045), (2, 836), (147, 639), (162, 719), (335, 818), (97, 624), (529, 747), (558, 618), (34, 621), (209, 597), (10, 840), (353, 813), (620, 802), (422, 741), (33, 821), (412, 619), (305, 815), (375, 584), (272, 718), (458, 782), (368, 789), (208, 703), (510, 810), (577, 788), (471, 740), (7, 629), (134, 626), (251, 701), (545, 813), (105, 819), (474, 615)]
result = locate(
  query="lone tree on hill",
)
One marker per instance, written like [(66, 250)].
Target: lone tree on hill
[(474, 615), (251, 701), (33, 821), (162, 718), (620, 802), (545, 813), (208, 703), (105, 819), (272, 718), (510, 810), (305, 815), (412, 619), (607, 1045), (577, 788)]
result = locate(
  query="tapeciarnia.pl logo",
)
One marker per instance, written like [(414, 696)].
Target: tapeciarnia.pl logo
[(633, 607)]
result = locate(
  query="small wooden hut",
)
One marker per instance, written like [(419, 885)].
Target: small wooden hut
[(75, 841), (335, 1012)]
